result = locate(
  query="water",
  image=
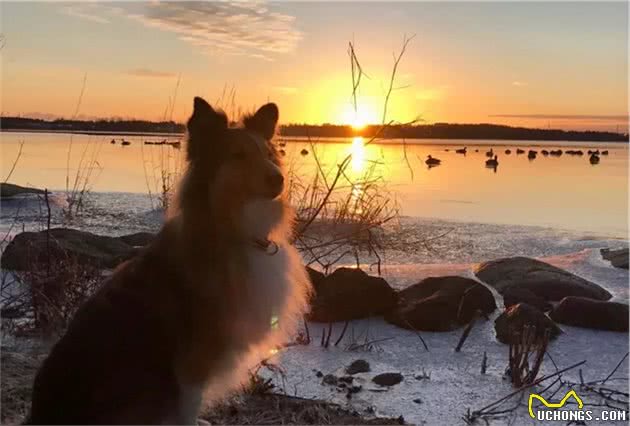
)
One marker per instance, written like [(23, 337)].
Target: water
[(562, 193)]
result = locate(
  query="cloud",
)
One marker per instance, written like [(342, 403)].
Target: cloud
[(228, 27), (88, 11), (519, 83), (565, 117), (245, 28), (146, 72)]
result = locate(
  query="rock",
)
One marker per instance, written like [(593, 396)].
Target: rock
[(330, 379), (388, 379), (355, 389), (346, 380), (11, 190), (514, 295), (417, 401), (319, 374), (349, 294), (31, 248), (139, 239), (617, 258), (509, 325), (540, 278), (315, 276), (589, 313), (440, 304), (358, 366)]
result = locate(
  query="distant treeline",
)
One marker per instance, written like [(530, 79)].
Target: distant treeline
[(115, 126), (452, 131), (425, 131)]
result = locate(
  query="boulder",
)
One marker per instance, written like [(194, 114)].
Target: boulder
[(349, 294), (10, 190), (617, 258), (440, 304), (510, 324), (330, 379), (542, 279), (358, 366), (589, 313), (139, 239), (314, 275), (32, 248), (388, 379), (514, 295)]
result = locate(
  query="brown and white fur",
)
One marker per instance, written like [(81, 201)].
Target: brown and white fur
[(180, 324)]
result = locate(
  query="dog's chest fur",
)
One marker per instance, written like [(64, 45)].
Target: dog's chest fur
[(267, 284)]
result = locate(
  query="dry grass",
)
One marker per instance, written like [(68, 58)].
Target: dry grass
[(45, 298), (87, 168), (163, 165), (274, 409), (339, 214), (18, 370), (526, 356)]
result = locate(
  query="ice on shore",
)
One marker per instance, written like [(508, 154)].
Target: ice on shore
[(440, 385)]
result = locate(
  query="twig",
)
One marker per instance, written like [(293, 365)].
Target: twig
[(467, 332), (418, 334), (484, 363), (343, 332), (308, 333), (47, 232), (522, 388), (615, 369), (330, 326), (397, 59), (15, 161)]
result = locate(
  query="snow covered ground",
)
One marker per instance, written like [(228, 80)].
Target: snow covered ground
[(448, 383), (456, 383)]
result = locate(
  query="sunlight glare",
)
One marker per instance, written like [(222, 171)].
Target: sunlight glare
[(360, 118), (358, 154)]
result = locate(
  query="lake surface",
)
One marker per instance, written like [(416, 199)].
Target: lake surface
[(564, 192)]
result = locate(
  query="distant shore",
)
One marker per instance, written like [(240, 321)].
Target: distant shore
[(455, 142), (447, 131)]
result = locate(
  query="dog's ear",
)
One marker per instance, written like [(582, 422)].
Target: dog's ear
[(263, 121), (204, 116), (204, 126)]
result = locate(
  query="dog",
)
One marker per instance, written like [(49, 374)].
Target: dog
[(179, 325)]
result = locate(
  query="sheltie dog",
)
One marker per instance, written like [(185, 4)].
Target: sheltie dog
[(180, 324)]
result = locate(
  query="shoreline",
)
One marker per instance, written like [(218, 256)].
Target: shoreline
[(481, 142), (415, 222)]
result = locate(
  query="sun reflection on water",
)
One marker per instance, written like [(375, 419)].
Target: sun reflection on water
[(358, 166), (358, 155)]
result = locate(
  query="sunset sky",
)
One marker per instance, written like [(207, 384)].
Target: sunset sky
[(534, 64)]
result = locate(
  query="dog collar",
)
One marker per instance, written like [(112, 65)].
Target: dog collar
[(268, 246)]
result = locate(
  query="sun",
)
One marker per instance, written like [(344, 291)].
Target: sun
[(359, 118)]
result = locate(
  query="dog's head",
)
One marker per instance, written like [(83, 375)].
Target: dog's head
[(235, 171), (240, 160)]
